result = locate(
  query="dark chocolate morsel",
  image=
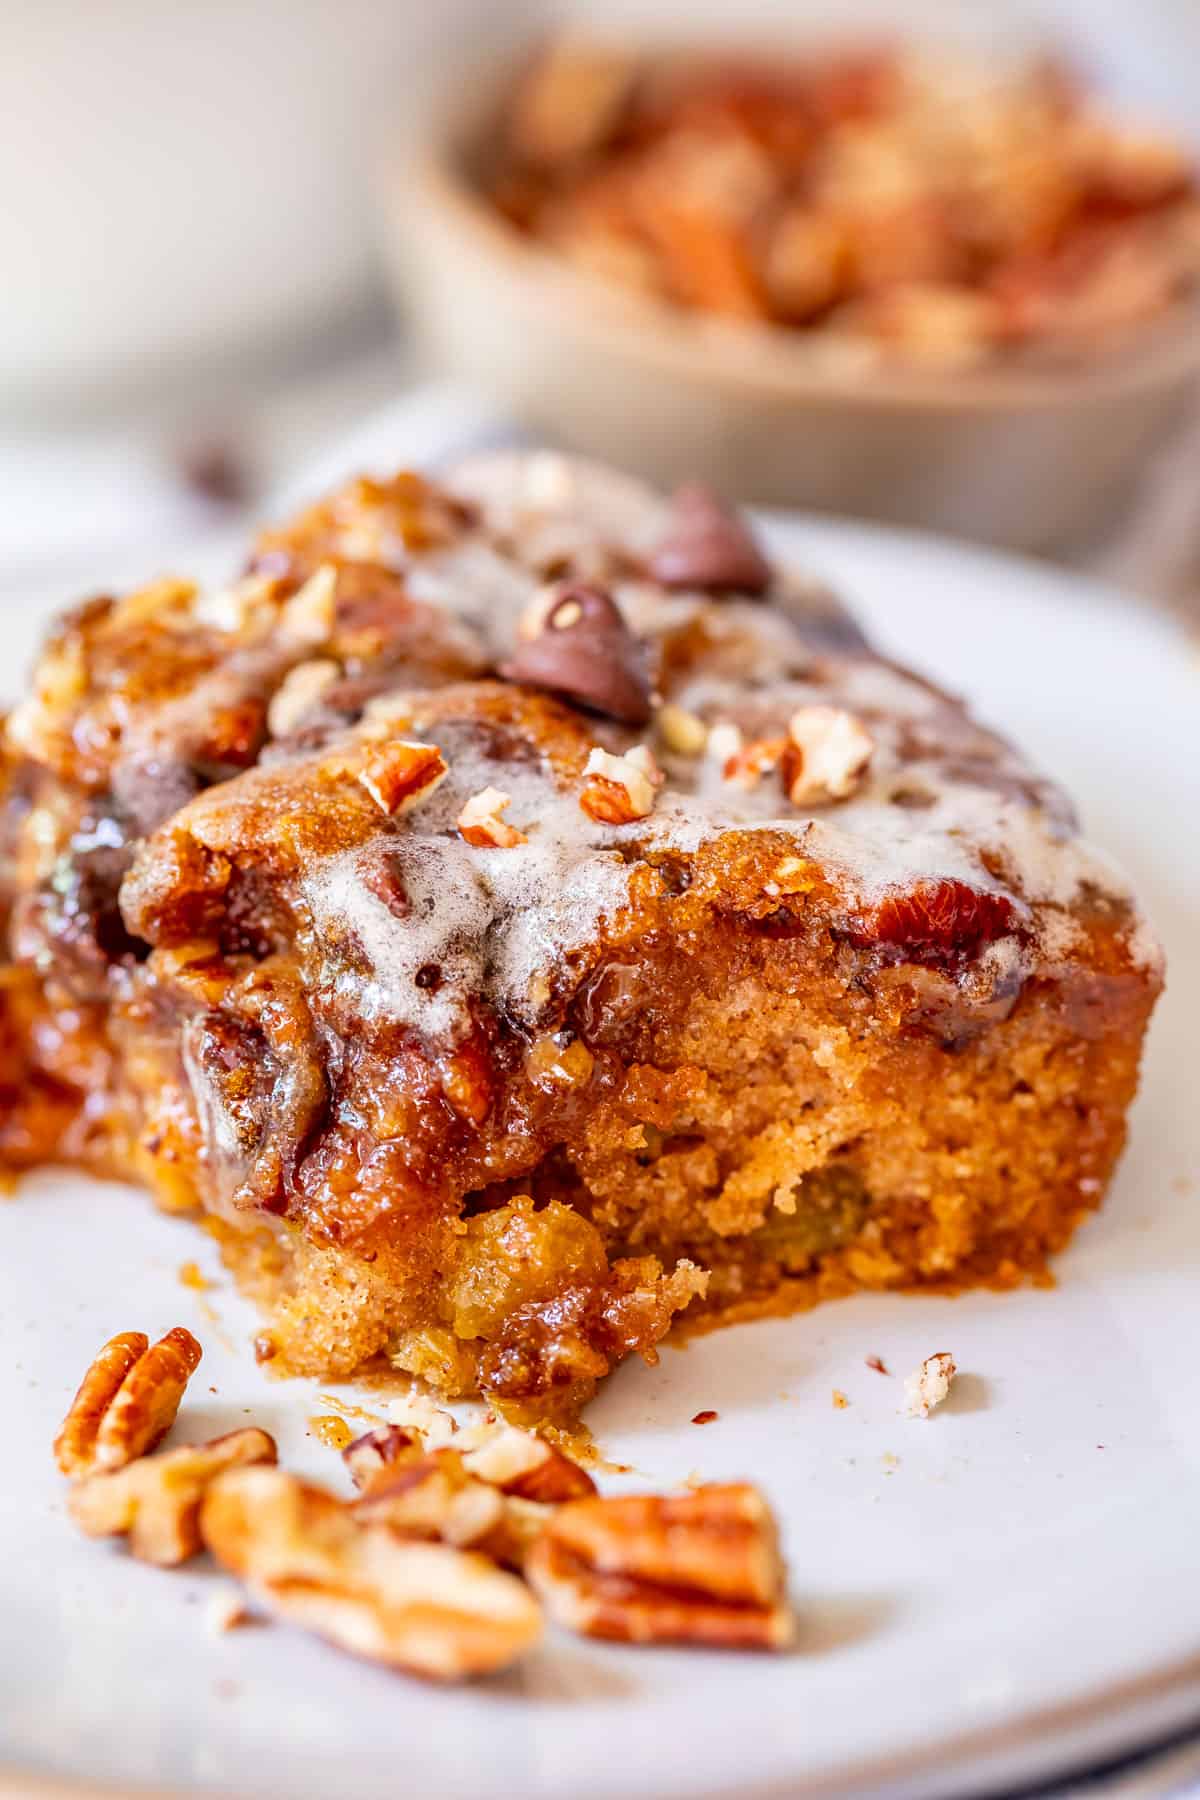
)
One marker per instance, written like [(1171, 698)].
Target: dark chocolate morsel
[(585, 651), (708, 546)]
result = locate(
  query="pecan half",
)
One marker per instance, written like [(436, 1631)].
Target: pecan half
[(700, 1568), (155, 1501), (126, 1402), (426, 1608)]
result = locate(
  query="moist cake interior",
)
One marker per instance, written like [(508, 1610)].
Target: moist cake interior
[(720, 1033)]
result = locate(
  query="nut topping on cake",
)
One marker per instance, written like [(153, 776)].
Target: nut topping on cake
[(708, 546), (399, 776), (826, 755), (681, 731), (746, 767), (481, 824), (309, 616), (725, 741), (698, 1568), (298, 692), (620, 788), (582, 649)]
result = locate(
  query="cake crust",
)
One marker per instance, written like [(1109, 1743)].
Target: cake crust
[(519, 917)]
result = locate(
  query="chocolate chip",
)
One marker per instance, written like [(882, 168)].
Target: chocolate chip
[(708, 546), (585, 651), (215, 468)]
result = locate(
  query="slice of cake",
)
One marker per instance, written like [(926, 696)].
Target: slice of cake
[(518, 915)]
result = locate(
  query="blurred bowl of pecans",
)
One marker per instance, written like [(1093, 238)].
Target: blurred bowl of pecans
[(953, 291)]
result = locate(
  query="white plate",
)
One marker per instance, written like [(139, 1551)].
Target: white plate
[(1019, 1590)]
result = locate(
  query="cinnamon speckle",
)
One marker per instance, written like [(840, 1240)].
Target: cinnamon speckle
[(706, 1417)]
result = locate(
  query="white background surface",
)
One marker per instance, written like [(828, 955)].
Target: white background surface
[(1005, 1567)]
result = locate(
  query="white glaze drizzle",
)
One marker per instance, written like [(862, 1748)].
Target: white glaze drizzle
[(497, 922)]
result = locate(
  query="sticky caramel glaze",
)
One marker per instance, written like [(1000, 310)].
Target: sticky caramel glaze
[(499, 1116), (656, 1116)]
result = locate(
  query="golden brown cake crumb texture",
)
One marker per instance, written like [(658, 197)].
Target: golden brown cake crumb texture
[(519, 918)]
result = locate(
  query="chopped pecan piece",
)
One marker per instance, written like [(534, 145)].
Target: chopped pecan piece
[(699, 1568), (725, 741), (570, 101), (488, 1488), (298, 693), (426, 1608), (126, 1402), (398, 775), (436, 1498), (377, 1450), (929, 1385), (682, 731), (309, 616), (522, 1464), (826, 755), (418, 1413), (481, 824), (155, 1501), (620, 789), (747, 766)]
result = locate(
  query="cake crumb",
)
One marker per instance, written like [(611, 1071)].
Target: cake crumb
[(928, 1386), (890, 1461), (226, 1609), (191, 1275), (330, 1430), (840, 1400)]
